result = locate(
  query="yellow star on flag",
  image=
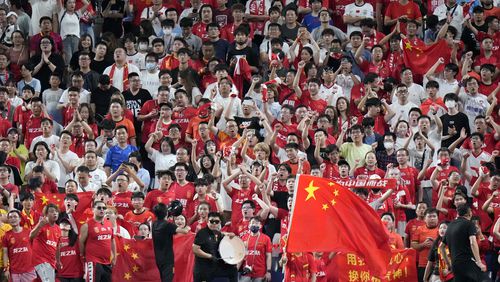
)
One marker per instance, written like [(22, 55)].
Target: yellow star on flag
[(44, 200), (333, 202), (127, 276), (135, 268), (336, 193), (408, 46), (325, 207), (331, 183), (126, 247), (310, 190), (134, 256)]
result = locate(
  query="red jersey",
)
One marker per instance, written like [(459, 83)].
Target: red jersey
[(70, 259), (421, 235), (477, 205), (396, 10), (238, 196), (67, 115), (488, 144), (284, 216), (49, 187), (5, 124), (19, 251), (409, 176), (338, 13), (394, 62), (148, 107), (257, 247), (382, 68), (13, 161), (157, 196), (13, 189), (318, 105), (442, 175), (300, 267), (277, 187), (33, 129), (99, 240), (287, 96), (45, 245), (365, 171), (183, 193), (241, 227), (183, 117), (401, 195), (283, 133), (198, 225), (137, 219), (193, 205), (227, 32), (411, 227), (387, 206), (200, 29), (122, 202)]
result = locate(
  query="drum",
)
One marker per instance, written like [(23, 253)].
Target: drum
[(232, 251)]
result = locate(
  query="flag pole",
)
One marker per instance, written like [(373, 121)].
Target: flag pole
[(295, 186)]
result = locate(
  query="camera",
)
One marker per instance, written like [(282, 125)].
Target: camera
[(247, 269)]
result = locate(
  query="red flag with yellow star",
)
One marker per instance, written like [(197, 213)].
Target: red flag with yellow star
[(135, 261), (327, 217), (420, 58)]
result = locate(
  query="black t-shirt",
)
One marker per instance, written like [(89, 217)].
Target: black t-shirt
[(102, 99), (250, 123), (434, 256), (457, 238), (458, 121), (100, 66), (135, 102), (45, 72), (208, 240), (163, 232), (251, 54), (469, 38)]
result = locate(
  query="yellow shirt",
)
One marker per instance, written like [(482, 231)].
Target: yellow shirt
[(4, 227)]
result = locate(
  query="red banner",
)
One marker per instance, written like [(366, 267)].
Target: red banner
[(135, 261), (183, 257), (349, 267), (368, 183)]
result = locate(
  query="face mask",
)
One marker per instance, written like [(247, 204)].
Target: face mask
[(167, 31), (254, 229), (143, 46), (450, 104), (150, 66), (388, 145)]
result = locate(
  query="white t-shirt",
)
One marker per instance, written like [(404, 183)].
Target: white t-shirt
[(52, 167), (401, 111), (69, 24), (457, 19), (148, 13), (52, 141), (118, 75), (98, 177), (39, 9), (84, 97), (335, 90), (445, 87), (70, 158), (150, 82), (138, 59), (365, 10), (473, 106)]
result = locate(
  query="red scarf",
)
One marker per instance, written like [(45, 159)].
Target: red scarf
[(257, 10), (125, 75)]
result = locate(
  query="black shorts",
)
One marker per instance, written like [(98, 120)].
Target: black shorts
[(469, 272), (96, 272), (166, 272)]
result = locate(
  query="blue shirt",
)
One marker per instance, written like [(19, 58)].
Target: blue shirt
[(116, 156)]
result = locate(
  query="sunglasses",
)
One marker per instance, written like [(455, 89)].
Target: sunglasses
[(100, 208), (214, 221)]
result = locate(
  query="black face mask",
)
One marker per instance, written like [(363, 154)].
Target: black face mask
[(27, 100)]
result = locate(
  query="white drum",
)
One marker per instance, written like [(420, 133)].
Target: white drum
[(232, 251)]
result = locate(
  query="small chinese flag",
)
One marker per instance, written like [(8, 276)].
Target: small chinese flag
[(135, 261), (327, 217), (420, 58)]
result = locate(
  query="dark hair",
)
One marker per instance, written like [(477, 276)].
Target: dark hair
[(390, 215), (42, 143), (463, 209), (136, 195), (162, 173), (431, 210)]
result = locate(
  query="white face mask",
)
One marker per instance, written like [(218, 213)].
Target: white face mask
[(450, 104), (143, 46), (167, 31), (150, 66), (388, 145)]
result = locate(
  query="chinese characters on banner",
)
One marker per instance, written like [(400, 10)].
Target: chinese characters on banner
[(401, 268), (367, 183)]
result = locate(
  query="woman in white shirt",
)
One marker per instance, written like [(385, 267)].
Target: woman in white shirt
[(51, 168), (69, 26), (163, 159)]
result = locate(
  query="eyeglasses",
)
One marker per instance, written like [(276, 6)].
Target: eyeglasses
[(45, 42), (100, 208), (214, 221)]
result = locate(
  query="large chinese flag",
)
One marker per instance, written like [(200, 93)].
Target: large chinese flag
[(327, 217), (135, 261), (84, 202), (183, 257), (420, 58)]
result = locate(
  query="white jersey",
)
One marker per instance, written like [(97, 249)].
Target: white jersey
[(365, 10)]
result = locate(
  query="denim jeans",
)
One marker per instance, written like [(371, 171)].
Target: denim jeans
[(70, 46)]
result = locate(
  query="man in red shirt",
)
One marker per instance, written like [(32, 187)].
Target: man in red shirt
[(402, 11), (206, 17), (17, 251), (68, 110), (45, 237), (201, 186), (257, 263), (415, 223), (140, 214), (32, 127), (29, 217), (424, 239), (309, 98), (294, 161), (97, 246), (183, 189), (121, 198), (163, 194), (409, 174), (246, 183), (150, 112)]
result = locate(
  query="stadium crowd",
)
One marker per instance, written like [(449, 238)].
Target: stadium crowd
[(217, 105)]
